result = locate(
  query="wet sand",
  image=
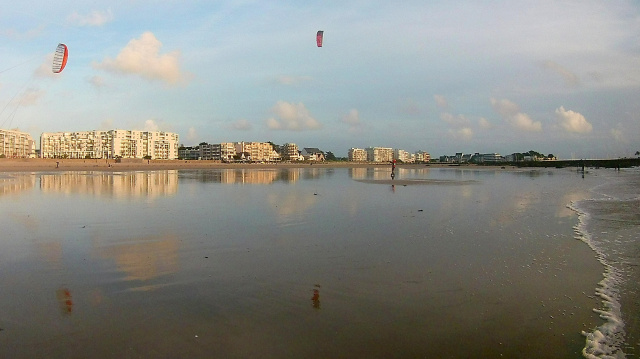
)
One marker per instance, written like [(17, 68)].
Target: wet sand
[(487, 269)]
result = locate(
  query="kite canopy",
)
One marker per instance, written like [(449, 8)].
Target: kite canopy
[(60, 58), (319, 38)]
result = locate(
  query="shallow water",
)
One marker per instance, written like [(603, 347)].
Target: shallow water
[(306, 262), (610, 224)]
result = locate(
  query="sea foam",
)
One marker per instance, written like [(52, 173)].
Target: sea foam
[(606, 340)]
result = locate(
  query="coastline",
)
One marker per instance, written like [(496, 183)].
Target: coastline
[(42, 164)]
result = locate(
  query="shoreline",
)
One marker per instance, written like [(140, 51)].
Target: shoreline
[(41, 164)]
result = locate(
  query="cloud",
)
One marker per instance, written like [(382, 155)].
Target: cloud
[(484, 123), (441, 101), (352, 119), (106, 124), (292, 80), (30, 97), (45, 68), (619, 134), (241, 125), (464, 133), (455, 121), (142, 57), (151, 125), (292, 117), (25, 35), (94, 18), (97, 81), (510, 112), (573, 121), (192, 134), (570, 79), (410, 106)]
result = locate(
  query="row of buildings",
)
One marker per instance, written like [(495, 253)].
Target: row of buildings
[(386, 154), (165, 145), (90, 144), (250, 152)]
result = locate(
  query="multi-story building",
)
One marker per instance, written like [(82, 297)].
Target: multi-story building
[(488, 157), (16, 144), (256, 151), (189, 153), (210, 151), (290, 152), (357, 154), (423, 157), (109, 144), (227, 151), (403, 156), (379, 154)]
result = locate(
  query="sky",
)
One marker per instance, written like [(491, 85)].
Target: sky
[(556, 77)]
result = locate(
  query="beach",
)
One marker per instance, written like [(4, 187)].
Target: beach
[(39, 164), (294, 261)]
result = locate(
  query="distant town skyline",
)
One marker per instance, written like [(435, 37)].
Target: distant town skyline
[(441, 76)]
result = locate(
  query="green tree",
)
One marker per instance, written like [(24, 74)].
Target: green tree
[(329, 156)]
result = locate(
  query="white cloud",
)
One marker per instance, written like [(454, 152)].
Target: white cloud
[(618, 135), (484, 123), (352, 119), (510, 112), (142, 57), (45, 68), (441, 101), (24, 35), (464, 133), (455, 121), (292, 117), (94, 18), (192, 134), (573, 121), (30, 97), (97, 81), (241, 125), (151, 125), (570, 79)]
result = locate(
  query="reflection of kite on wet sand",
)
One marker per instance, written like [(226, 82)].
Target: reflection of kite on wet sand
[(64, 300), (316, 297)]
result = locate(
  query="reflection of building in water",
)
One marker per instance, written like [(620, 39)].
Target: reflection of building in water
[(371, 173), (125, 184), (17, 183), (109, 144), (16, 144), (144, 258)]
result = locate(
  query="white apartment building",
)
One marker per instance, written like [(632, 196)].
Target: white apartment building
[(357, 155), (403, 156), (257, 151), (109, 144), (16, 144), (422, 156), (379, 154)]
